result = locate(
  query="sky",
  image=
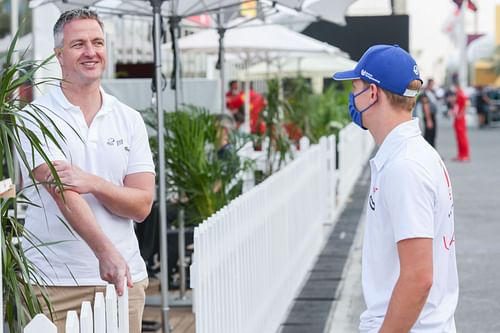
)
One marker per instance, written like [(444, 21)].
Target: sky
[(429, 44)]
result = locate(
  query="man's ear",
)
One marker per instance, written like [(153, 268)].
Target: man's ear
[(373, 90), (58, 52)]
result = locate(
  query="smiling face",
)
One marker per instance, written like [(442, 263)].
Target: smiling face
[(83, 54)]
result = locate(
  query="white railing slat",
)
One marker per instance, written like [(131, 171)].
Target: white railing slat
[(72, 324), (123, 324), (40, 324), (99, 313), (111, 310), (86, 318)]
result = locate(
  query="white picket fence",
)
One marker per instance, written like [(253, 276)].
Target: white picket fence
[(109, 315), (251, 257)]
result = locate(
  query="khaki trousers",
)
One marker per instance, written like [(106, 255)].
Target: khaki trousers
[(64, 299)]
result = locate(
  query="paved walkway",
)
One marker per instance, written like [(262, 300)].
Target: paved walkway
[(476, 187)]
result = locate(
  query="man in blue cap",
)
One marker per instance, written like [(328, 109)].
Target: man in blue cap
[(409, 272)]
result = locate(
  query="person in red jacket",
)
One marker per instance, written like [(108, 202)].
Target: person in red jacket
[(257, 105), (235, 103), (459, 123)]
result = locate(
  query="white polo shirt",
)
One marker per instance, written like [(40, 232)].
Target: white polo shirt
[(115, 145), (410, 197)]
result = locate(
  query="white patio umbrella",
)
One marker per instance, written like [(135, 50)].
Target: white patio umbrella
[(295, 12), (255, 40), (253, 37), (309, 65)]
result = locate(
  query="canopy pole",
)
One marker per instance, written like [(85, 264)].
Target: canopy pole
[(221, 62), (174, 28), (156, 4)]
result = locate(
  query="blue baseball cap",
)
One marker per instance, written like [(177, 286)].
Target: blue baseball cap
[(388, 66)]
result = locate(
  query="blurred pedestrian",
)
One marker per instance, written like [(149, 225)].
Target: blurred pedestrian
[(257, 105), (235, 103), (449, 97), (459, 121), (429, 109), (482, 106), (409, 272)]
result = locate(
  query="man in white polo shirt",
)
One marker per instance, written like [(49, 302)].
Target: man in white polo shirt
[(105, 162), (409, 271)]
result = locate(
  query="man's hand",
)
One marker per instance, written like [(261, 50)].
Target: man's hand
[(114, 269), (72, 177)]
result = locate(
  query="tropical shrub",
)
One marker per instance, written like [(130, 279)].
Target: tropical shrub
[(201, 170)]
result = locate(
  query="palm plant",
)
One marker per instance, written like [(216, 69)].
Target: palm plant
[(330, 112), (201, 174), (279, 147), (18, 273), (317, 115)]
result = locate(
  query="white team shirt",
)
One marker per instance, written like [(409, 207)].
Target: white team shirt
[(115, 145), (411, 196)]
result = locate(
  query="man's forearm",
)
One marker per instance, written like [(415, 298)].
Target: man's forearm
[(79, 215), (407, 300), (124, 201)]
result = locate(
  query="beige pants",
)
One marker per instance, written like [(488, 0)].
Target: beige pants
[(64, 299)]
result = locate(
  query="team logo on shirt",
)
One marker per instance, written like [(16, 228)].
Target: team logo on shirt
[(449, 243), (371, 202), (447, 178), (449, 240), (117, 143)]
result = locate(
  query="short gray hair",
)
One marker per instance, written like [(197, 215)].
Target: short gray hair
[(70, 15)]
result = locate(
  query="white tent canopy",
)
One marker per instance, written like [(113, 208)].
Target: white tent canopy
[(312, 65), (315, 67), (308, 11), (253, 37)]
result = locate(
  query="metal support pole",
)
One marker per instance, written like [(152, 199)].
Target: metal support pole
[(182, 255), (14, 21), (221, 30), (156, 4), (174, 22), (462, 58), (14, 27), (174, 26)]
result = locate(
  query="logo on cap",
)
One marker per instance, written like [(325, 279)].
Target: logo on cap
[(368, 75), (415, 70)]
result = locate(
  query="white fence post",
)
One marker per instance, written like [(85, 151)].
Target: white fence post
[(40, 324), (111, 310), (123, 324), (72, 324), (99, 314), (304, 143), (86, 318)]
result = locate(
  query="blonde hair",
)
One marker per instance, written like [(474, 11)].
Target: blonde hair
[(404, 102)]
